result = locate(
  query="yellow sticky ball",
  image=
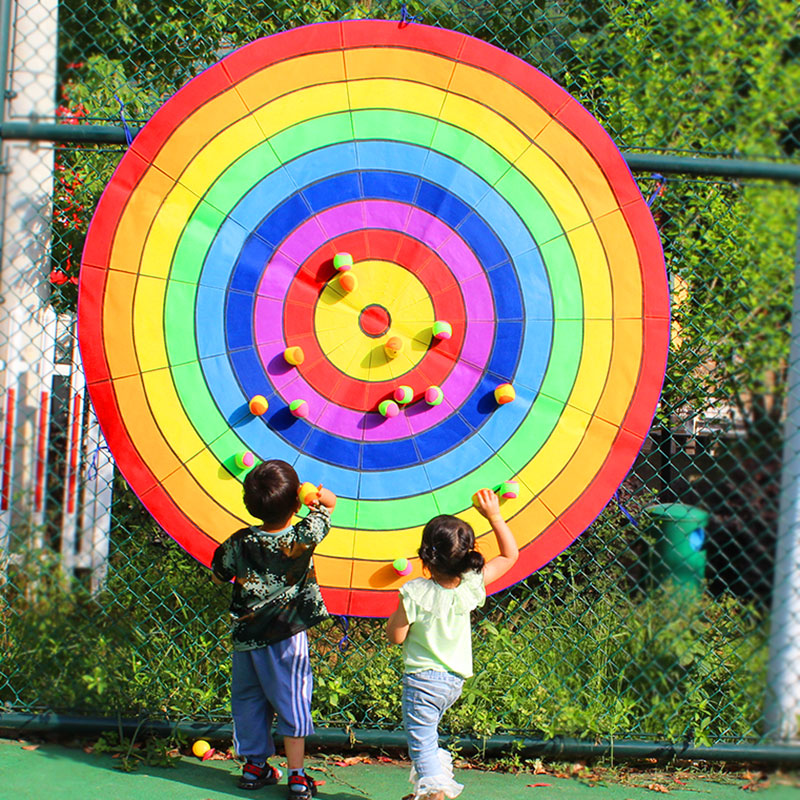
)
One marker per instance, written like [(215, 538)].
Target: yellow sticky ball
[(200, 748)]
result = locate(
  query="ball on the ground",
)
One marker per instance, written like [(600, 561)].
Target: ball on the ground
[(245, 460), (442, 329), (504, 393), (307, 493), (200, 748), (343, 262), (258, 405), (402, 566), (393, 346), (434, 395), (403, 394), (294, 356), (389, 408), (299, 409)]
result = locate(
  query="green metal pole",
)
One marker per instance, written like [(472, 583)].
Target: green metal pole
[(5, 40), (341, 738), (673, 165)]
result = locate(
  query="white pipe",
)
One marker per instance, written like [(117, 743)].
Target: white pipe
[(782, 710)]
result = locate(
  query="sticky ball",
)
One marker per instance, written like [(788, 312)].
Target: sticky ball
[(403, 394), (348, 281), (245, 460), (508, 490), (442, 329), (294, 356), (389, 408), (434, 396), (393, 346), (504, 393), (307, 493), (258, 405), (343, 262), (402, 566), (299, 408), (200, 748)]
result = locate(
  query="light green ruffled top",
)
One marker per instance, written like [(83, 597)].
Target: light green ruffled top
[(440, 636)]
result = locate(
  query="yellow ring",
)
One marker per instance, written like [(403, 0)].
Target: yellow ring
[(363, 357)]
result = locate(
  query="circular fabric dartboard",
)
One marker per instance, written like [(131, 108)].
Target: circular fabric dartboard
[(468, 188)]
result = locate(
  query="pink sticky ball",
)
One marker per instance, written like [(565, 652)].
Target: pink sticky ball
[(389, 409), (299, 408)]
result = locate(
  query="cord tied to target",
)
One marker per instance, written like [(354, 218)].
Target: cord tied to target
[(128, 134), (406, 17)]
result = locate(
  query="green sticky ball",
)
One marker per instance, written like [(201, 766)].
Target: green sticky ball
[(402, 566), (442, 329), (343, 261)]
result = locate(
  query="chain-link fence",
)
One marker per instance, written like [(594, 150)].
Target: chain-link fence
[(101, 613)]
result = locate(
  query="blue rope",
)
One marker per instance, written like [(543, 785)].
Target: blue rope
[(91, 472), (625, 511), (659, 189), (344, 642), (405, 17), (128, 134)]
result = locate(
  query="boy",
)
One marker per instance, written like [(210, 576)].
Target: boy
[(275, 600)]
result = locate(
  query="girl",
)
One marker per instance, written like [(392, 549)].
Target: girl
[(432, 624)]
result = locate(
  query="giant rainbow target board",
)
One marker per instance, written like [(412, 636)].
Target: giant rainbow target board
[(467, 187)]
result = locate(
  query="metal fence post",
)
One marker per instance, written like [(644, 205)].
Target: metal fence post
[(783, 681)]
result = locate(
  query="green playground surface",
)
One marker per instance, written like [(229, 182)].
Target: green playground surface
[(47, 771)]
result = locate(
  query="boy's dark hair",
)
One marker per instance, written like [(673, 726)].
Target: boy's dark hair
[(448, 546), (270, 491)]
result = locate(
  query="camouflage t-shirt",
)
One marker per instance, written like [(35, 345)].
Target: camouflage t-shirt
[(275, 591)]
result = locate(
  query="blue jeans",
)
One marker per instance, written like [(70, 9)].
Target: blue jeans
[(426, 696)]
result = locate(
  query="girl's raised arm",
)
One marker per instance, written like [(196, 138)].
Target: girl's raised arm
[(489, 506)]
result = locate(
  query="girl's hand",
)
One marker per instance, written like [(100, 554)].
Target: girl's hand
[(488, 503)]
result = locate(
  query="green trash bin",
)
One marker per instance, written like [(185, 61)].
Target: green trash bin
[(679, 553)]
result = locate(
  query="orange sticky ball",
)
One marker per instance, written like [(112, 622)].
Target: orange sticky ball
[(307, 493), (504, 393), (393, 346), (348, 281), (294, 356), (258, 405)]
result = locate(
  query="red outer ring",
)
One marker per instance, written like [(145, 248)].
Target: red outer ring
[(443, 289), (333, 36)]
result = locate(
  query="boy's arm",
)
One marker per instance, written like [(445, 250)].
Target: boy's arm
[(314, 528), (397, 625), (489, 506)]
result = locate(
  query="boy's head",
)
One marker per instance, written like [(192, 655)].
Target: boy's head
[(270, 492)]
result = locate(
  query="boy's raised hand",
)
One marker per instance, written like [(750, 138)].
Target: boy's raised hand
[(488, 503), (325, 497)]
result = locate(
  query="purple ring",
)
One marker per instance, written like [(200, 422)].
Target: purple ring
[(388, 215)]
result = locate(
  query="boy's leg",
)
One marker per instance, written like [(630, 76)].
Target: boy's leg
[(252, 711), (295, 747), (285, 673)]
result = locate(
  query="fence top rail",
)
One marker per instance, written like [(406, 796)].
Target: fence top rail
[(638, 162)]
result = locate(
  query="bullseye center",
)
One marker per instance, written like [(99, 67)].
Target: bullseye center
[(374, 320)]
